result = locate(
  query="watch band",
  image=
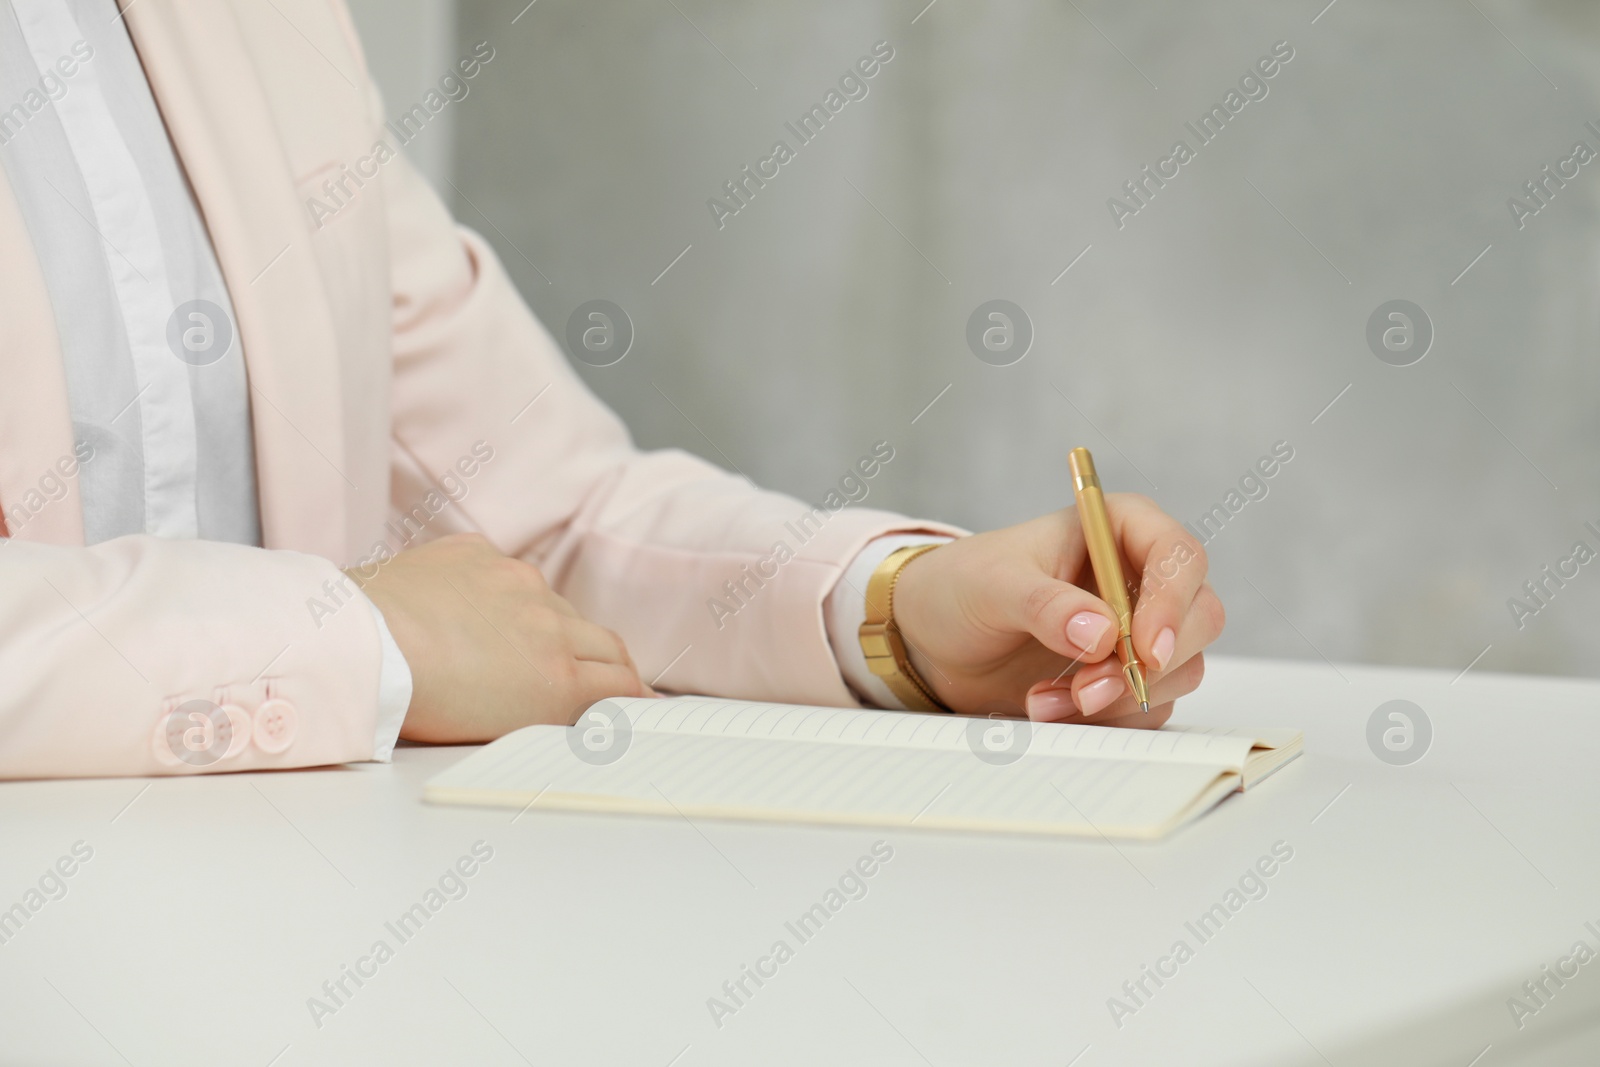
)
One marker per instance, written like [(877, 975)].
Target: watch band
[(881, 642)]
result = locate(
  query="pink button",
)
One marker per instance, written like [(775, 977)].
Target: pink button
[(275, 725), (198, 733)]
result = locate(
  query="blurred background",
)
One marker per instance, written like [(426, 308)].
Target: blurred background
[(1182, 337)]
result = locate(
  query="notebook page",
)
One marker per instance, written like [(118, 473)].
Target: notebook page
[(951, 733), (825, 781), (1268, 738)]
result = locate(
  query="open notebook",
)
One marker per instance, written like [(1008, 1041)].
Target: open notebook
[(695, 757)]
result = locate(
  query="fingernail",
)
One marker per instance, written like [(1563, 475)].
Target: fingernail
[(1166, 640), (1050, 705), (1086, 628), (1098, 696)]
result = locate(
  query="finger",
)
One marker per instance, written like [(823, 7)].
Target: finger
[(1064, 618), (1054, 698), (1097, 686), (1200, 627), (1182, 680), (528, 587), (597, 681), (559, 603), (1172, 567), (1066, 712), (597, 644), (1096, 690), (1102, 693)]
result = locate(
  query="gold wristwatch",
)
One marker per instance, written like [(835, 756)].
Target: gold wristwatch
[(881, 642)]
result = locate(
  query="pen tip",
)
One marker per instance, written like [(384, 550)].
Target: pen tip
[(1144, 706)]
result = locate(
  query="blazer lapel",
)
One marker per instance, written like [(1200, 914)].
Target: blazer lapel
[(202, 76)]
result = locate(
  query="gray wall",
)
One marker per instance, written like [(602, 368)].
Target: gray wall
[(1221, 318), (410, 45)]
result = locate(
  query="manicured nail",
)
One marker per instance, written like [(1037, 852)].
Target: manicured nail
[(1165, 641), (1051, 705), (1086, 628), (1098, 696)]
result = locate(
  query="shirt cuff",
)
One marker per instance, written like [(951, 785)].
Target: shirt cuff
[(394, 690), (845, 609)]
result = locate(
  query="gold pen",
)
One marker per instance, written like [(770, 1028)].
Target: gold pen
[(1107, 563)]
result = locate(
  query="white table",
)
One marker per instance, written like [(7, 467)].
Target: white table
[(1418, 900)]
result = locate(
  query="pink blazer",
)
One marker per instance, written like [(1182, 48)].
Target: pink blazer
[(387, 354)]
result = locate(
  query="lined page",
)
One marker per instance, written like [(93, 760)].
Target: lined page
[(914, 730), (729, 776)]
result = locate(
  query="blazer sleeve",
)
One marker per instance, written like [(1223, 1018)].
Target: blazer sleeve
[(717, 586), (143, 655)]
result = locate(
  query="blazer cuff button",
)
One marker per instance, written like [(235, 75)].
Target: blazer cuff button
[(276, 721)]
